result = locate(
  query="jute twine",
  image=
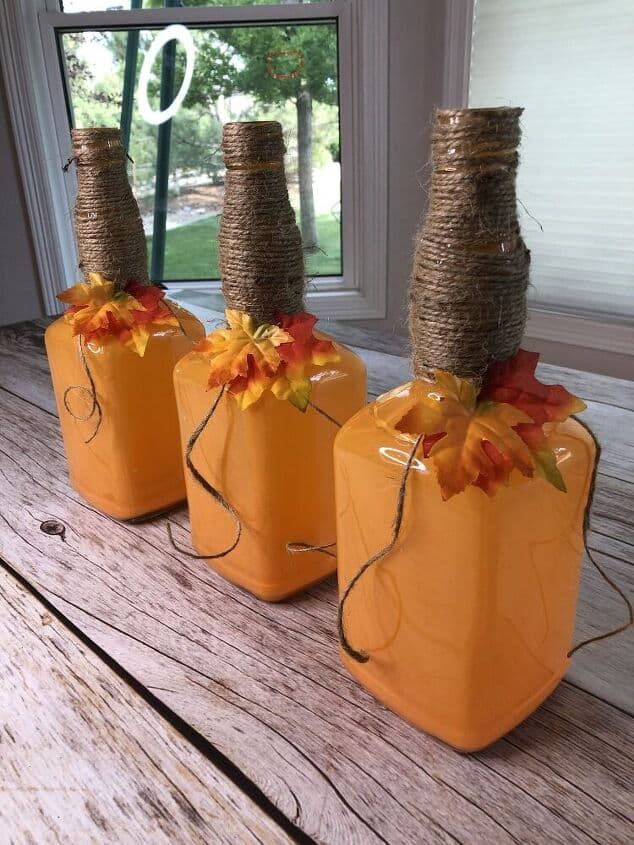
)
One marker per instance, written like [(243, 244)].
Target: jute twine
[(108, 231), (108, 227), (467, 296), (260, 246)]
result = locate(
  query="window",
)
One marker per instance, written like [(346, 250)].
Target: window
[(570, 64), (285, 73), (122, 62)]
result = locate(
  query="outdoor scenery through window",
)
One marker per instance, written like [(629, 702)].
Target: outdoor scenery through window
[(285, 72)]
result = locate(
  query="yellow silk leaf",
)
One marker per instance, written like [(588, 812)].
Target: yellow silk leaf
[(295, 388), (436, 402), (244, 345)]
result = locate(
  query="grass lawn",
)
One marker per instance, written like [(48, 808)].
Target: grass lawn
[(192, 252)]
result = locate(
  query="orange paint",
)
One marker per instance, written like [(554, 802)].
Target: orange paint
[(468, 622), (133, 467), (274, 464)]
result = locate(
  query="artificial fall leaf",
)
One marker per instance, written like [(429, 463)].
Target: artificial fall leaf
[(244, 355), (305, 348), (436, 401), (481, 446), (252, 358), (247, 389), (514, 382), (99, 310), (480, 439), (292, 381)]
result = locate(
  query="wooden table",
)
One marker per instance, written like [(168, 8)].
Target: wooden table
[(144, 699)]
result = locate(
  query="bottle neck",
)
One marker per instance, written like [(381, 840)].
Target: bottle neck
[(108, 226), (260, 246), (470, 271)]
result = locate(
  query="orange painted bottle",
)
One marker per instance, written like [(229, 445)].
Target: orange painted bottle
[(121, 434), (270, 461), (464, 625)]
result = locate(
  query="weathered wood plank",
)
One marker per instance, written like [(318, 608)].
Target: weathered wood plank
[(263, 683), (24, 368), (85, 759)]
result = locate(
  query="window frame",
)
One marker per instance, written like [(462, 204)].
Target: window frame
[(30, 61)]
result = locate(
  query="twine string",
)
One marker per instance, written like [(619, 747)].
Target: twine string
[(91, 391), (299, 546), (208, 487), (355, 654), (260, 247), (323, 413), (108, 226), (467, 294), (597, 566)]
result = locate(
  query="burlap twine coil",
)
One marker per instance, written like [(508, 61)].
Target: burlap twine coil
[(467, 297), (260, 246), (108, 227)]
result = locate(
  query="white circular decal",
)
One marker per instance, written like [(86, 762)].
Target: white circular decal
[(175, 32)]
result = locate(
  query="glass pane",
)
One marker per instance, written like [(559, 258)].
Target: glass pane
[(280, 72), (117, 5)]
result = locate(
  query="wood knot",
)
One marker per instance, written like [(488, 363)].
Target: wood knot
[(54, 528)]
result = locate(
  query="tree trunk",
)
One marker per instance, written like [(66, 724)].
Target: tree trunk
[(308, 223)]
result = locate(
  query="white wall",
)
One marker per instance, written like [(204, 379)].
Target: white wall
[(19, 286)]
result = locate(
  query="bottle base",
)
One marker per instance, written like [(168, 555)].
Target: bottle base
[(261, 590), (140, 513), (463, 739)]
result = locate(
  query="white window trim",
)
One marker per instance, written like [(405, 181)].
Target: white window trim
[(592, 331), (28, 52)]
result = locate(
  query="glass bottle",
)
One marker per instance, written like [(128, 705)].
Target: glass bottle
[(131, 466), (468, 620), (271, 461)]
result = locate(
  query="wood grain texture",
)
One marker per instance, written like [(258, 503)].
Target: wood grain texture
[(85, 759), (264, 684)]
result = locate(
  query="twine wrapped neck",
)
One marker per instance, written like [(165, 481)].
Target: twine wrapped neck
[(108, 227), (467, 294), (260, 246)]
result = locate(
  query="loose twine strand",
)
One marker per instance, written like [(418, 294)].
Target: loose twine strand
[(209, 488), (260, 247), (467, 294), (600, 570), (95, 407), (362, 657), (222, 500)]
